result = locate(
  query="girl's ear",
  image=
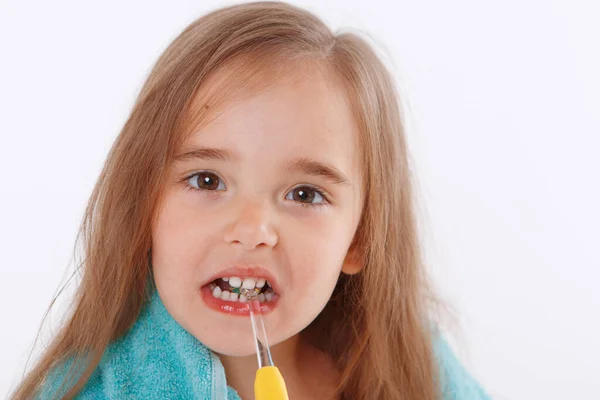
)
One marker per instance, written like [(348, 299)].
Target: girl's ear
[(353, 263)]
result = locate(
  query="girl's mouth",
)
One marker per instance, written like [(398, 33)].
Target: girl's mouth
[(230, 294)]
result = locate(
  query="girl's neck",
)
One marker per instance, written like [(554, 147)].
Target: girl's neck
[(308, 372)]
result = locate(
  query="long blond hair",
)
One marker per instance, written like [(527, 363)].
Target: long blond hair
[(377, 325)]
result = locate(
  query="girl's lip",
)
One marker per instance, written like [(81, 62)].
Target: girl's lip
[(234, 308)]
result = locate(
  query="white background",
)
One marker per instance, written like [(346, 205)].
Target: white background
[(503, 103)]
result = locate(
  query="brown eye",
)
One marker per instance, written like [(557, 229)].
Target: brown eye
[(307, 195), (206, 181)]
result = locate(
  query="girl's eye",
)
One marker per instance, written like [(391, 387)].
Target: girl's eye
[(206, 181), (307, 195)]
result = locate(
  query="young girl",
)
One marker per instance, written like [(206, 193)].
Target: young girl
[(263, 152)]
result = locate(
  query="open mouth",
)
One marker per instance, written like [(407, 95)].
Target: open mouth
[(238, 290)]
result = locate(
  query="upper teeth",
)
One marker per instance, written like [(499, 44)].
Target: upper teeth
[(234, 281), (246, 283), (249, 283)]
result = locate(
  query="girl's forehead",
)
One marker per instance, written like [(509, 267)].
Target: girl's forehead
[(248, 79), (291, 115)]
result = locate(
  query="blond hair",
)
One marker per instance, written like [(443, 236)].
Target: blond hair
[(376, 326)]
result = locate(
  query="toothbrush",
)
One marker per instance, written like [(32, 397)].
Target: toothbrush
[(268, 383)]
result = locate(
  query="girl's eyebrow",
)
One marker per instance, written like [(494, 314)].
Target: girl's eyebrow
[(303, 164), (205, 153), (316, 168)]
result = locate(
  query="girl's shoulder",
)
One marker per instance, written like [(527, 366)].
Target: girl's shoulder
[(155, 359), (456, 382), (62, 377)]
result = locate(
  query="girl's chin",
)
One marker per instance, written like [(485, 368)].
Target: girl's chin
[(240, 353), (233, 343), (243, 348)]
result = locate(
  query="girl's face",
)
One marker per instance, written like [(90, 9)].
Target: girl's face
[(269, 190)]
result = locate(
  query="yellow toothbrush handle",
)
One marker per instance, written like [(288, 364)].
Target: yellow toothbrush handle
[(269, 384)]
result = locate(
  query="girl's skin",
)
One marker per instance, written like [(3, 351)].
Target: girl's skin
[(256, 212)]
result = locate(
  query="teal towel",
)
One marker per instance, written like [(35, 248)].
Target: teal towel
[(158, 359), (456, 382)]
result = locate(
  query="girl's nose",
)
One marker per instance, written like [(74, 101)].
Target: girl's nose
[(252, 227)]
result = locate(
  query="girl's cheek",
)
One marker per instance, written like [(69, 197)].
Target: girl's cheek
[(194, 198)]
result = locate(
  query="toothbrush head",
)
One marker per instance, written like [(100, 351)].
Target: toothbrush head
[(249, 293)]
